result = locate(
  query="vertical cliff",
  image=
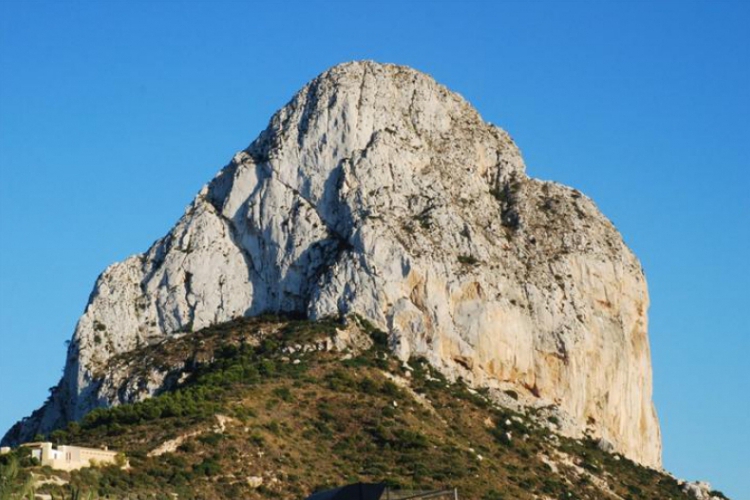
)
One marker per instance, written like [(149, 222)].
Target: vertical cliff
[(379, 192)]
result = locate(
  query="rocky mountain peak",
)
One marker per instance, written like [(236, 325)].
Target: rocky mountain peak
[(357, 107), (379, 193), (341, 111)]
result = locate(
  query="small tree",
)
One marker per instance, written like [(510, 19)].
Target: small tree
[(12, 485), (59, 436)]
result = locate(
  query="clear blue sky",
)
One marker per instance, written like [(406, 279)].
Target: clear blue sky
[(113, 114)]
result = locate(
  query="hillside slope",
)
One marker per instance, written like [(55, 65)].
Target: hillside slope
[(272, 408)]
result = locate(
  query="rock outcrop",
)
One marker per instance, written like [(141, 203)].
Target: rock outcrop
[(378, 192)]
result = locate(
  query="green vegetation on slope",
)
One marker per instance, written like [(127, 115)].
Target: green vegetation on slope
[(291, 421)]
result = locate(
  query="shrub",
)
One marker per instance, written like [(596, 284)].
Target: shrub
[(390, 389), (211, 439), (493, 495), (283, 393), (468, 260), (208, 467), (368, 386), (406, 439)]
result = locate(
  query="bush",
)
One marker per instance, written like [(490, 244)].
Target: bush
[(406, 439), (283, 393), (493, 495), (368, 386), (208, 467), (390, 389), (469, 260), (211, 439)]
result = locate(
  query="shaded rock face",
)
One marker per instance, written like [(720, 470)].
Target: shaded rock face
[(379, 192)]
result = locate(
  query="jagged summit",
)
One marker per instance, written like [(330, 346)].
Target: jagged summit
[(346, 109), (378, 192)]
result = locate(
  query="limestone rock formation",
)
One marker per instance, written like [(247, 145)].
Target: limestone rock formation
[(379, 192)]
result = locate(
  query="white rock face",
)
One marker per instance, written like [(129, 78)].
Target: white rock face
[(700, 490), (379, 192)]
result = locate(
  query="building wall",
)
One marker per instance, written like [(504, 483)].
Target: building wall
[(70, 457)]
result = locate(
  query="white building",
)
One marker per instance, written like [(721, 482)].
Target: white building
[(70, 457)]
